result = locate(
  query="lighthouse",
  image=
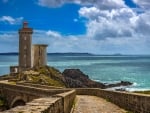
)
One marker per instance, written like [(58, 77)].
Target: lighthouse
[(25, 44)]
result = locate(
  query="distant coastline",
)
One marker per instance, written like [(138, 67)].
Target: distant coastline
[(65, 54), (79, 54), (10, 53)]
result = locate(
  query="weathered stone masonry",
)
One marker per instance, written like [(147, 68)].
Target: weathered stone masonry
[(137, 103), (26, 93), (61, 100), (54, 104)]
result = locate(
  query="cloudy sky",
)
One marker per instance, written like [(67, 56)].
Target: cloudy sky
[(94, 26)]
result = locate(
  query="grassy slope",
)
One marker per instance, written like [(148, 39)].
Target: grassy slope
[(143, 92), (43, 75)]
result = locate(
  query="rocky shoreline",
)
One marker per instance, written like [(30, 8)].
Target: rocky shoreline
[(69, 78), (75, 78)]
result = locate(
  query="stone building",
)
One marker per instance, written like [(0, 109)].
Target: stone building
[(29, 56), (25, 43), (39, 56)]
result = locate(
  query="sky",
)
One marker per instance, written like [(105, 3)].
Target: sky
[(93, 26)]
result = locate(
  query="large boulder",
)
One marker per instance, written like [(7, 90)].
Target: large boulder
[(122, 83), (77, 79)]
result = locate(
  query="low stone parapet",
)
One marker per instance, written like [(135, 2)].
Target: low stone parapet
[(38, 85), (13, 92), (68, 99), (41, 105), (137, 103), (60, 103)]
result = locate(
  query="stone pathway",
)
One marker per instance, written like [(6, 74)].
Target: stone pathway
[(93, 104)]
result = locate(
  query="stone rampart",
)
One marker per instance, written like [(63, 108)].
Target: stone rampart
[(26, 93), (60, 103), (68, 99), (38, 85), (40, 105), (137, 103), (61, 100), (40, 92)]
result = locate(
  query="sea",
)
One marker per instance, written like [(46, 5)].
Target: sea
[(101, 68)]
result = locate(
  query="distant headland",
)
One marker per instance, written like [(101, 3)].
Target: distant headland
[(65, 54)]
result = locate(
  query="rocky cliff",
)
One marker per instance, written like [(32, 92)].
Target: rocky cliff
[(77, 79), (70, 78)]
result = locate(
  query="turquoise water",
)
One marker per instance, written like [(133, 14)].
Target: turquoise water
[(107, 69)]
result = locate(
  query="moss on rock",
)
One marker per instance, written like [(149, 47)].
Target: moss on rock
[(43, 75)]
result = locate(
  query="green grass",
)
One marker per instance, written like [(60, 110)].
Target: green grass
[(20, 112), (129, 112), (143, 92), (44, 79), (1, 102), (42, 75), (12, 82)]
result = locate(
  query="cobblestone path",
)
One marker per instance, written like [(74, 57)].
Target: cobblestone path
[(93, 104)]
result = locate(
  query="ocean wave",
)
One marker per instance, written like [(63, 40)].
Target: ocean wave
[(129, 88), (137, 89), (134, 84), (96, 80), (115, 88)]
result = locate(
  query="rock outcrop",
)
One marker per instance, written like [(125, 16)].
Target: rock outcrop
[(122, 83), (77, 79), (70, 78), (43, 75)]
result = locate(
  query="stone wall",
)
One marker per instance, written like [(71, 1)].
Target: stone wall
[(68, 100), (61, 100), (38, 85), (39, 55), (61, 103), (26, 93), (40, 105), (137, 103)]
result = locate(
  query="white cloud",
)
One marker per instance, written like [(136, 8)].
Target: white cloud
[(112, 27), (143, 3), (56, 41), (102, 4), (105, 24), (9, 41), (53, 34), (50, 3), (91, 12), (11, 20), (79, 43), (118, 30), (142, 24)]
